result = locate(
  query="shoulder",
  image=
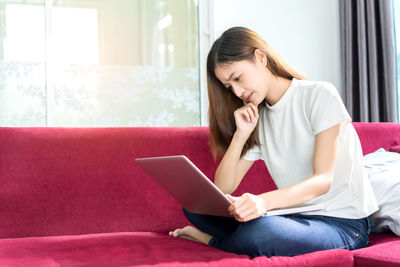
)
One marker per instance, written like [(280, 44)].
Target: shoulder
[(315, 93), (313, 88)]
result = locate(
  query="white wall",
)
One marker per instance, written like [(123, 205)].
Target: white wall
[(304, 32)]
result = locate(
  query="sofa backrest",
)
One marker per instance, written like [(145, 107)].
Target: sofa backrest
[(65, 181), (378, 135)]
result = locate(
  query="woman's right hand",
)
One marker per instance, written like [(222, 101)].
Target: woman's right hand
[(246, 119), (232, 168)]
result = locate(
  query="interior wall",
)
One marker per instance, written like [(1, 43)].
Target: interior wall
[(305, 32)]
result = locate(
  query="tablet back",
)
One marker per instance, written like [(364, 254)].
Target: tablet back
[(187, 184)]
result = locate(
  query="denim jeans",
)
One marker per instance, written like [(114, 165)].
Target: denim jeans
[(287, 235)]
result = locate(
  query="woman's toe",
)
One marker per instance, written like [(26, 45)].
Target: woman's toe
[(176, 233)]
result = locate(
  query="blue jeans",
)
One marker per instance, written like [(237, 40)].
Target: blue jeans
[(287, 235)]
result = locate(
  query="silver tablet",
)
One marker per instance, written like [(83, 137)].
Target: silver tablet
[(187, 184)]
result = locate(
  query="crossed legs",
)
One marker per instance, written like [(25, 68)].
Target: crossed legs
[(276, 235)]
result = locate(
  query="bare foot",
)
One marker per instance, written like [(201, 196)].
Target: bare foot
[(191, 233)]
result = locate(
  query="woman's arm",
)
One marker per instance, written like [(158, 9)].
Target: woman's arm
[(249, 206), (231, 169)]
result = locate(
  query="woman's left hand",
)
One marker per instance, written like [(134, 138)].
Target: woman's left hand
[(247, 207)]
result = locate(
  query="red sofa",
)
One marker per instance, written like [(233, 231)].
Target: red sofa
[(74, 197)]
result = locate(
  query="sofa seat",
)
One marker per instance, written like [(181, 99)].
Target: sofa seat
[(383, 250), (142, 249)]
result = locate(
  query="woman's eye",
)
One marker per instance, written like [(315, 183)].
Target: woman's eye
[(237, 78)]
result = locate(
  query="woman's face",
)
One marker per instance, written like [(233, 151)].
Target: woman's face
[(247, 79)]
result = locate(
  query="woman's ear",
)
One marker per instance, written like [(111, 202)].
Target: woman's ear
[(260, 57)]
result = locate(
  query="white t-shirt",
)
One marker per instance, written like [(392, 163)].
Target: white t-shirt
[(287, 134)]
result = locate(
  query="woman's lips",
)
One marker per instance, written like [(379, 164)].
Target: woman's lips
[(249, 97)]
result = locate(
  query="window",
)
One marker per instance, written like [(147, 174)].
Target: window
[(87, 63)]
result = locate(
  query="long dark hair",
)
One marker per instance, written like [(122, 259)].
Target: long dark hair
[(236, 44)]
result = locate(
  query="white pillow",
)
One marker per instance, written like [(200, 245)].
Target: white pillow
[(383, 169)]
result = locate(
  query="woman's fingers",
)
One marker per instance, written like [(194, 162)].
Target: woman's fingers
[(249, 115), (246, 114), (247, 215), (240, 205), (249, 112), (246, 208), (250, 217), (252, 114), (254, 108), (246, 118), (243, 211)]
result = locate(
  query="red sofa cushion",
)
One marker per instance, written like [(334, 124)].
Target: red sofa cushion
[(143, 249), (63, 181), (376, 135), (383, 250)]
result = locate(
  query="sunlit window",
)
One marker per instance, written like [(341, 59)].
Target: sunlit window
[(99, 63), (74, 40), (24, 24)]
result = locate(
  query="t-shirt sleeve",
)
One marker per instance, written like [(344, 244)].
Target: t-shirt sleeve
[(253, 154), (326, 108)]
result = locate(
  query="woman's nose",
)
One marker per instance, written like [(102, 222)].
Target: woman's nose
[(237, 90)]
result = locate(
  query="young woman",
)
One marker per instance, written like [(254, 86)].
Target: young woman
[(261, 108)]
